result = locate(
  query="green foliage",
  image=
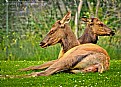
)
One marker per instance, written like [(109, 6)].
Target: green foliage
[(27, 48), (28, 24), (109, 78)]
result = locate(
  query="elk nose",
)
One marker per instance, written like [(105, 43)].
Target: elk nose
[(112, 33), (41, 43)]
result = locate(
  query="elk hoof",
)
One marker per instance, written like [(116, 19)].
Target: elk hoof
[(34, 74)]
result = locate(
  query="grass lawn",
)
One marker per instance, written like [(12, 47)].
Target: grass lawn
[(111, 78)]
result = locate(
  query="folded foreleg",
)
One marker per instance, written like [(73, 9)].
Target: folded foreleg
[(92, 68), (96, 62)]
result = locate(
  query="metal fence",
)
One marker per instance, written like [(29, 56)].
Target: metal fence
[(24, 23)]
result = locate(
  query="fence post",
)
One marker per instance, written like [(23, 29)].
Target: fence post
[(7, 29)]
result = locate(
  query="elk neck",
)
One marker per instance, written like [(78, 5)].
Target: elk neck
[(70, 40), (88, 36)]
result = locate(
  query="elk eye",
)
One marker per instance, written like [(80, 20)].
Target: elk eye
[(68, 19), (52, 31), (91, 24), (59, 22), (101, 25)]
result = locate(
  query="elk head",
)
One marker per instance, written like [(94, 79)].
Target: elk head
[(98, 27), (57, 32)]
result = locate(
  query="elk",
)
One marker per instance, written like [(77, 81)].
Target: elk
[(80, 58), (93, 29)]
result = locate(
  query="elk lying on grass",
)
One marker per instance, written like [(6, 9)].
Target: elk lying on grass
[(80, 58), (93, 29)]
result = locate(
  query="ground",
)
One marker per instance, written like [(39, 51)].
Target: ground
[(111, 78)]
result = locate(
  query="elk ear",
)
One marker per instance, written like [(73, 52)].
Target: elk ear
[(65, 19), (94, 20), (86, 19)]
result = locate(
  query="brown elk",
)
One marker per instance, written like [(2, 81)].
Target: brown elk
[(80, 58), (93, 29)]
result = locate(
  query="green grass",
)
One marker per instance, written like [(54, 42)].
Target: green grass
[(111, 78)]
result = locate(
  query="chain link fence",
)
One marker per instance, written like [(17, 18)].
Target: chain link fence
[(24, 23)]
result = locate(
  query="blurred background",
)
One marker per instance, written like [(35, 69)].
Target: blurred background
[(24, 23)]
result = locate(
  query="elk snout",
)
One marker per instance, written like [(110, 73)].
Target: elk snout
[(112, 33), (42, 44)]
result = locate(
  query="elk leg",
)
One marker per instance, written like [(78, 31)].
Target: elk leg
[(76, 71), (62, 64), (93, 68), (61, 53), (100, 68), (45, 73), (93, 63), (39, 67)]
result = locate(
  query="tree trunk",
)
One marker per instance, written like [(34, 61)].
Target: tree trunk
[(97, 6), (77, 17)]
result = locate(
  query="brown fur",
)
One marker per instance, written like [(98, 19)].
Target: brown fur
[(63, 35), (69, 41), (94, 28), (79, 58), (76, 59)]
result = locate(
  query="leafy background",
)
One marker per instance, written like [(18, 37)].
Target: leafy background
[(23, 24)]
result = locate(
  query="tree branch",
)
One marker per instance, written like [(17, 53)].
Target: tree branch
[(97, 7), (90, 8), (77, 17)]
